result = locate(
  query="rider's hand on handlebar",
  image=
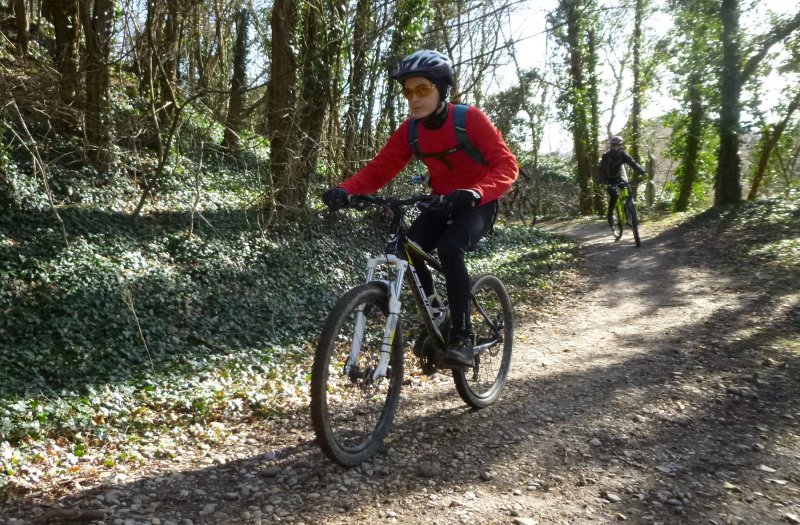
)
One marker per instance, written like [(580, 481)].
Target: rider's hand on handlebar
[(336, 198), (458, 200)]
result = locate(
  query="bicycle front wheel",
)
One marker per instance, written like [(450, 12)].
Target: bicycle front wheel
[(633, 219), (493, 324), (616, 224), (350, 410)]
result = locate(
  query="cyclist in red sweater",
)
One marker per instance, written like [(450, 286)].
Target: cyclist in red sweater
[(470, 188)]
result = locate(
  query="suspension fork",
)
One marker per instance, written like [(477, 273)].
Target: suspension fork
[(390, 328)]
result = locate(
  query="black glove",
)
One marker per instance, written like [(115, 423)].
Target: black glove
[(458, 200), (335, 198)]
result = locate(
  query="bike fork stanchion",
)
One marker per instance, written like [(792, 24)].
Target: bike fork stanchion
[(358, 337), (389, 332), (392, 320), (361, 321)]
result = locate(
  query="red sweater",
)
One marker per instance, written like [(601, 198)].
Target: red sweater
[(490, 181)]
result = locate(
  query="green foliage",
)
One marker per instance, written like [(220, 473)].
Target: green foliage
[(505, 111), (137, 337), (763, 233), (530, 262), (558, 191), (783, 171), (706, 160), (206, 177), (416, 16)]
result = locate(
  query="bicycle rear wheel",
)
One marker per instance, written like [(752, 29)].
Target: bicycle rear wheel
[(633, 219), (527, 211), (616, 224), (351, 412), (493, 324)]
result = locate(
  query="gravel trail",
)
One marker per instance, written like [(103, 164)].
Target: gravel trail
[(662, 390)]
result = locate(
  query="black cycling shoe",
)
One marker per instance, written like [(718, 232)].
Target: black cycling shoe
[(459, 353)]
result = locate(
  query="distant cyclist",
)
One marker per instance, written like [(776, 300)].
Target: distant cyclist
[(611, 170)]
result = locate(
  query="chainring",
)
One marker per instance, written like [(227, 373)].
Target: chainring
[(430, 352)]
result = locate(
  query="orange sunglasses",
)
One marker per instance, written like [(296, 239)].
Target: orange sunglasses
[(421, 91)]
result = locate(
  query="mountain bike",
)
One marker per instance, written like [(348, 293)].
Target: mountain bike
[(624, 211), (358, 363)]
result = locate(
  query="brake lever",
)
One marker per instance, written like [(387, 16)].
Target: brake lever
[(435, 201), (357, 203)]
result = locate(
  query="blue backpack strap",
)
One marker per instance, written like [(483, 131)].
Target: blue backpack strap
[(460, 123)]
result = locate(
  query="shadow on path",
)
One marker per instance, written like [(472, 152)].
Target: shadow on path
[(691, 415)]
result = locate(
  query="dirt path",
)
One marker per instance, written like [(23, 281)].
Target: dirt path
[(662, 392)]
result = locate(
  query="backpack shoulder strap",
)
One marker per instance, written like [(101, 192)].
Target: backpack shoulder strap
[(460, 123)]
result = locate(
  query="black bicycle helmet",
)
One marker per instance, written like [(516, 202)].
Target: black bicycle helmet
[(426, 63), (616, 140)]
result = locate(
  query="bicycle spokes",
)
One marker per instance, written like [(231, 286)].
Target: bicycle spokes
[(616, 224), (493, 326), (352, 407)]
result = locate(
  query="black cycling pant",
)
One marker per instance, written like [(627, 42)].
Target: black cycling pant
[(433, 228), (613, 195)]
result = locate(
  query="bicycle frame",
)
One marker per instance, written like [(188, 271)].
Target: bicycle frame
[(403, 268), (394, 289), (622, 197)]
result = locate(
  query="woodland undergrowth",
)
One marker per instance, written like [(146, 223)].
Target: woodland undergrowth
[(143, 335)]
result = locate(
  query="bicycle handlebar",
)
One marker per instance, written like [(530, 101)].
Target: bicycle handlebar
[(361, 201)]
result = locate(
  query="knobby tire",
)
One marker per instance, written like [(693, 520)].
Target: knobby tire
[(351, 416), (481, 385), (616, 224), (633, 218)]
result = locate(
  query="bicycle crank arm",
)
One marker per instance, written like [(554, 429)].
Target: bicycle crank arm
[(480, 348)]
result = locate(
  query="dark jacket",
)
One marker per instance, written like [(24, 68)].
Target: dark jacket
[(611, 166)]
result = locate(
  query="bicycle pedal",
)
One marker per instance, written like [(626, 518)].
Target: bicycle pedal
[(452, 365), (455, 366)]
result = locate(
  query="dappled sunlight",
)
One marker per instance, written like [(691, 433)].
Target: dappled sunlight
[(664, 387), (646, 427)]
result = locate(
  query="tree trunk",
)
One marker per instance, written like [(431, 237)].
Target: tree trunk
[(97, 18), (578, 101), (63, 14), (403, 15), (367, 136), (236, 102), (650, 187), (694, 143), (728, 187), (21, 23), (145, 51), (315, 82), (598, 195), (358, 73), (767, 146), (170, 46), (636, 109), (281, 102)]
